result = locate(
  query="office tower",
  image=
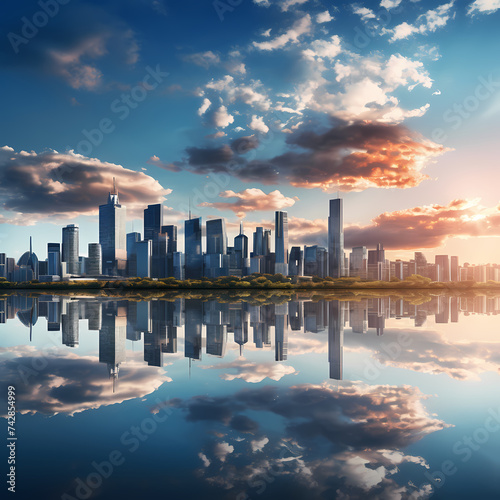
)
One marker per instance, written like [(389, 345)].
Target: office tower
[(178, 266), (335, 339), (216, 261), (241, 251), (144, 252), (132, 240), (336, 239), (171, 232), (70, 248), (376, 262), (442, 268), (454, 268), (358, 262), (216, 236), (94, 260), (159, 255), (3, 265), (259, 259), (54, 259), (315, 261), (192, 249), (421, 264), (112, 235), (296, 264), (153, 220), (281, 243)]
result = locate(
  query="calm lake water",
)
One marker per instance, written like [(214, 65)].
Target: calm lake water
[(261, 397)]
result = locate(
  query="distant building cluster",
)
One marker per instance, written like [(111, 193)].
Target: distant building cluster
[(155, 255)]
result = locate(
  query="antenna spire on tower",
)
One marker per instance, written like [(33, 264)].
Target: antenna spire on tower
[(114, 185), (190, 208)]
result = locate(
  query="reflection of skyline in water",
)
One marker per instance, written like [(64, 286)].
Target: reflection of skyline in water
[(252, 417), (206, 324)]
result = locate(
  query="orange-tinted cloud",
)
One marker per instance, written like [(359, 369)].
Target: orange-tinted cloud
[(347, 157), (251, 200), (426, 226)]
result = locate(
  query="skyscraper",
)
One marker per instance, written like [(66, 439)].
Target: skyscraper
[(336, 239), (70, 248), (153, 220), (241, 251), (216, 236), (94, 261), (192, 249), (281, 242), (112, 235), (54, 259), (171, 232)]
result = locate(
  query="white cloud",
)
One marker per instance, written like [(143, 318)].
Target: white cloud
[(324, 48), (204, 59), (390, 4), (258, 124), (204, 107), (258, 444), (427, 22), (483, 7), (301, 27), (204, 459), (324, 17), (222, 450), (221, 118), (286, 4), (364, 12)]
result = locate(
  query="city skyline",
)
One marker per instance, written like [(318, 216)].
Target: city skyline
[(391, 103)]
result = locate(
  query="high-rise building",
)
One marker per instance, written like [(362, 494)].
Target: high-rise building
[(336, 239), (192, 249), (241, 251), (281, 242), (216, 236), (315, 261), (153, 220), (112, 235), (132, 240), (70, 248), (442, 268), (171, 232), (296, 262), (376, 263), (54, 259), (144, 250), (94, 260), (358, 261), (3, 265), (454, 268)]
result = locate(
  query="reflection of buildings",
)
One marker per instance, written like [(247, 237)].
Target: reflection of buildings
[(336, 339), (158, 323), (112, 337)]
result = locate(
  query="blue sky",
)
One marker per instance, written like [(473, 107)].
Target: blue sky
[(251, 108)]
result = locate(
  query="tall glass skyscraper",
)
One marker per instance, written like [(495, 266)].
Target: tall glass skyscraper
[(281, 242), (54, 259), (70, 248), (336, 239), (216, 236), (153, 220), (192, 249), (112, 236)]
